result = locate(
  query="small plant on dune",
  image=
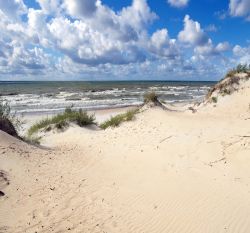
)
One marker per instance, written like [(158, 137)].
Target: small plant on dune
[(241, 68), (61, 121), (82, 118), (61, 125), (226, 92), (118, 119), (9, 121), (214, 99), (150, 97)]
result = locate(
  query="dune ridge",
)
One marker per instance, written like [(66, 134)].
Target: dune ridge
[(166, 171)]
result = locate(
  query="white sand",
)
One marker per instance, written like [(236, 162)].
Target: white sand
[(163, 172)]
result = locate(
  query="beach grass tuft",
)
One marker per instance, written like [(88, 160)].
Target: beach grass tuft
[(9, 121), (118, 119), (150, 97), (62, 120), (214, 99)]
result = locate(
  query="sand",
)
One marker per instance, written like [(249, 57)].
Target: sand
[(163, 172)]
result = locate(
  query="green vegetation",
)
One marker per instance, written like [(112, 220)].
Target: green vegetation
[(5, 113), (150, 97), (61, 121), (9, 122), (241, 68), (214, 99), (117, 120)]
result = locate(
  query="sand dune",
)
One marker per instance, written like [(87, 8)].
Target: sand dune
[(163, 172)]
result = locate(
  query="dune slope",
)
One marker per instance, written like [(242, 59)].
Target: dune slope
[(163, 172)]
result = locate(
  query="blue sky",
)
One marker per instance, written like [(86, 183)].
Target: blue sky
[(122, 40)]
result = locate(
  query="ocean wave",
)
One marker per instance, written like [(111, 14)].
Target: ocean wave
[(101, 97)]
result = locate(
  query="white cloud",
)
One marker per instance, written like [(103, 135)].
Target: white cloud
[(85, 45), (138, 14), (242, 54), (210, 50), (123, 40), (12, 8), (192, 33), (162, 45), (49, 6), (194, 36), (211, 28), (87, 38), (178, 3), (16, 59), (223, 47), (240, 8), (81, 8)]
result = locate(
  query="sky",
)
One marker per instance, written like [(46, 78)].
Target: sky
[(122, 39)]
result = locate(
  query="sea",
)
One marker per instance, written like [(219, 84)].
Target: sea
[(53, 97)]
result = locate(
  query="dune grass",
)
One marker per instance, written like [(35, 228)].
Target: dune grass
[(118, 119), (241, 68), (214, 99), (150, 97), (230, 82), (6, 113), (62, 120)]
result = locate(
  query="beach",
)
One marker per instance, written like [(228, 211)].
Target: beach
[(165, 171)]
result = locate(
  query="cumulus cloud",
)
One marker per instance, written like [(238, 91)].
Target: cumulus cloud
[(73, 37), (122, 41), (138, 14), (161, 45), (210, 50), (192, 34), (178, 3), (49, 6), (242, 54), (16, 59), (223, 47), (13, 8), (85, 45), (240, 8), (195, 37), (81, 8)]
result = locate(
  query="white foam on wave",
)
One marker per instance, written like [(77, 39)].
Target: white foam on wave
[(101, 99)]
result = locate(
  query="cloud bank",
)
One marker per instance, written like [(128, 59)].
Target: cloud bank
[(87, 39)]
